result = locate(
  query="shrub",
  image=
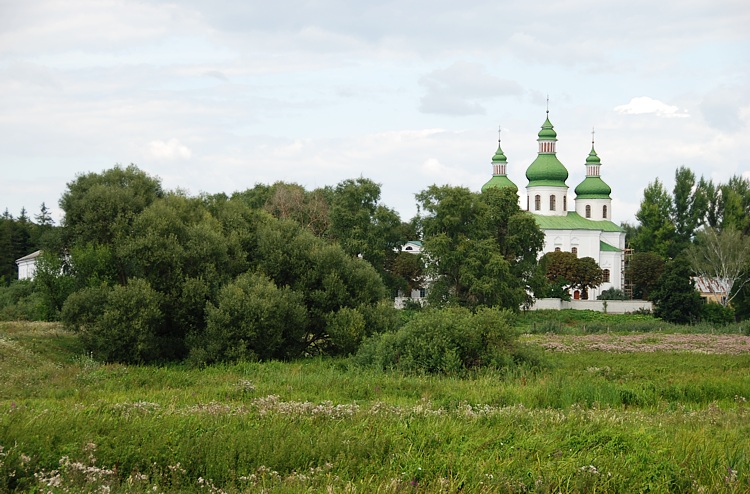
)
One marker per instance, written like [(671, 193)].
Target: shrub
[(445, 341), (717, 314), (253, 319), (117, 324), (346, 328), (20, 302), (612, 294)]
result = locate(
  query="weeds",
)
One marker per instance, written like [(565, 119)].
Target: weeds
[(665, 420)]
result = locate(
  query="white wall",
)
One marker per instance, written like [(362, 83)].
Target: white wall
[(612, 306)]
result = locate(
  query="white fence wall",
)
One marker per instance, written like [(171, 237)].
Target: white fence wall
[(609, 306)]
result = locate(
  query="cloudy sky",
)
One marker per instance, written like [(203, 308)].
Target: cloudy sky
[(218, 96)]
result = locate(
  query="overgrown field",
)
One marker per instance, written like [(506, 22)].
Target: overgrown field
[(653, 417)]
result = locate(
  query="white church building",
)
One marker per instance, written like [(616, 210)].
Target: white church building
[(587, 230)]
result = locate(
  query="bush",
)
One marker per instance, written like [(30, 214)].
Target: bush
[(717, 314), (346, 328), (20, 302), (253, 319), (117, 324), (612, 294), (445, 341)]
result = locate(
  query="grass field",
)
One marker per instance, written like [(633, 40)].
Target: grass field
[(637, 412)]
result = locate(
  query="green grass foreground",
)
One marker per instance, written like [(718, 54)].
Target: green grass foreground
[(596, 421)]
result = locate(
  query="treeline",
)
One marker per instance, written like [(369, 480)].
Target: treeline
[(277, 271), (273, 272), (700, 229), (19, 237)]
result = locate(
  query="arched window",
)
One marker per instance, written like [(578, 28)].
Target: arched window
[(574, 250), (588, 211), (527, 202), (604, 211), (552, 203), (537, 202), (557, 249), (605, 275), (565, 203)]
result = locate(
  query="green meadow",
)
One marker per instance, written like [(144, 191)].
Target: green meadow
[(612, 411)]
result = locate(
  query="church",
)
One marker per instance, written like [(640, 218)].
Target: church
[(587, 230)]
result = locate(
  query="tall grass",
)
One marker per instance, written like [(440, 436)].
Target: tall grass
[(594, 421)]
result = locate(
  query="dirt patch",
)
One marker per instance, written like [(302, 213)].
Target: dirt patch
[(695, 343)]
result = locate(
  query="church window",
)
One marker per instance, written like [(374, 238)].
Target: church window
[(574, 250), (565, 203), (552, 204), (605, 275), (588, 211), (557, 249), (604, 212), (422, 293), (537, 202), (527, 202)]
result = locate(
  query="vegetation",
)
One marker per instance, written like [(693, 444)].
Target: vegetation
[(595, 420), (691, 223), (481, 248)]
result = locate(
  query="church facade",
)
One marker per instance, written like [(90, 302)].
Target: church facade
[(586, 229)]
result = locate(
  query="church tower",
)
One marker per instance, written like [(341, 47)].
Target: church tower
[(547, 194), (593, 199), (499, 170)]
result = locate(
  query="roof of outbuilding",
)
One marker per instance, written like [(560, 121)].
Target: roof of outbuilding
[(29, 257)]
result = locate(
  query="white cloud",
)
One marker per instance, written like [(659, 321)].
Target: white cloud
[(645, 105), (170, 150), (458, 89)]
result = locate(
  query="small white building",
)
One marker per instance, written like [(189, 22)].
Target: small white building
[(27, 266)]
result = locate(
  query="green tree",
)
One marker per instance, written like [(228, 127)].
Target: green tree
[(327, 278), (588, 274), (481, 248), (723, 257), (675, 297), (735, 204), (409, 269), (362, 225), (253, 319), (644, 270), (690, 207), (566, 270), (118, 324), (100, 206), (656, 232)]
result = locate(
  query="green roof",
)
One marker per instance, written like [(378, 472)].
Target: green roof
[(499, 155), (605, 247), (500, 181), (574, 221), (548, 131), (593, 158), (547, 170), (593, 188)]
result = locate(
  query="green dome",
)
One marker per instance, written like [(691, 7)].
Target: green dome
[(593, 188), (593, 159), (548, 131), (499, 155), (500, 181), (547, 170)]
